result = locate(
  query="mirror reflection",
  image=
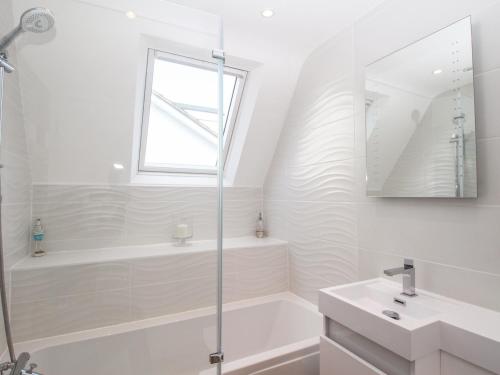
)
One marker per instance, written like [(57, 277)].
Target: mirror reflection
[(420, 128)]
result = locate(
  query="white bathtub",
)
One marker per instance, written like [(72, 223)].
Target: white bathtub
[(275, 334)]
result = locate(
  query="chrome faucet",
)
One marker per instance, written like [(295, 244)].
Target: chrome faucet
[(408, 272), (17, 367)]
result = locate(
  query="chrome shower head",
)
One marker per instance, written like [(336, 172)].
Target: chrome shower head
[(37, 20), (34, 20)]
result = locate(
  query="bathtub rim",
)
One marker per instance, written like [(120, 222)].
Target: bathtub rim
[(36, 345)]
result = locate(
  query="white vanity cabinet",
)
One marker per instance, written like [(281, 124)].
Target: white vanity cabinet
[(345, 352), (423, 335), (451, 365), (336, 360)]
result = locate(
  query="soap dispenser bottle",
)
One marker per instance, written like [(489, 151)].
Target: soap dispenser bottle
[(38, 236), (259, 232)]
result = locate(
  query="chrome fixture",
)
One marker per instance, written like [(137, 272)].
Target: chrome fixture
[(408, 272), (18, 367), (391, 314), (399, 301), (34, 20), (458, 138), (217, 357)]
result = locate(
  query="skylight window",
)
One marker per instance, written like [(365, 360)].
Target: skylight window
[(180, 121)]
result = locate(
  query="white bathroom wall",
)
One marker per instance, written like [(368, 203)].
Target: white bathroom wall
[(15, 172), (315, 191), (311, 191)]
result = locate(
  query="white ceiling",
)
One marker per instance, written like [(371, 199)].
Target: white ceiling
[(298, 25)]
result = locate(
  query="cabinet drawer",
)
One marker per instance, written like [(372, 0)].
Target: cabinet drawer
[(336, 360)]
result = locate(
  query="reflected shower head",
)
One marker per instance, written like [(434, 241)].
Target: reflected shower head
[(34, 20)]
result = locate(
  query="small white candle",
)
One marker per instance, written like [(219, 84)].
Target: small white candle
[(182, 231)]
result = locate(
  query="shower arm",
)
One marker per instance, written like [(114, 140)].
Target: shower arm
[(5, 64), (9, 38)]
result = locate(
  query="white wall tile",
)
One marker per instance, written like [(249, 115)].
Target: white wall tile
[(486, 45), (332, 262), (324, 182), (161, 299), (488, 173), (60, 315), (178, 267), (44, 283), (486, 92)]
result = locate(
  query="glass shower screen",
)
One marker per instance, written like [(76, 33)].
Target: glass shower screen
[(131, 281)]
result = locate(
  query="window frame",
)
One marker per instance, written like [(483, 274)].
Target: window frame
[(236, 97)]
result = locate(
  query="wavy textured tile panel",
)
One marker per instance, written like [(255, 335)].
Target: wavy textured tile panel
[(81, 220), (276, 218), (97, 216), (160, 270), (13, 124), (328, 182), (16, 179), (306, 285), (327, 143), (273, 257), (149, 301), (56, 316), (331, 102), (153, 286), (154, 222), (53, 282), (16, 229), (335, 223), (255, 282), (89, 243), (78, 193), (242, 194), (154, 194), (123, 193), (275, 187), (337, 264), (240, 217)]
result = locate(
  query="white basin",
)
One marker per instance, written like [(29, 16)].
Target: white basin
[(428, 322), (378, 295)]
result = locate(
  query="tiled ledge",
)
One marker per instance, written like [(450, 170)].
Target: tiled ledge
[(78, 290), (113, 254)]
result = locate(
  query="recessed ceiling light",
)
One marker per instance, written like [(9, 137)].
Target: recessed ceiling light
[(118, 166), (267, 13), (437, 71), (130, 15)]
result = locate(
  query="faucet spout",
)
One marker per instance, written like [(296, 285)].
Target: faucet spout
[(395, 271), (408, 272), (21, 361)]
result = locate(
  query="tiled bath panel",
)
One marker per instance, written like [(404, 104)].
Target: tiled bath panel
[(79, 217), (60, 298)]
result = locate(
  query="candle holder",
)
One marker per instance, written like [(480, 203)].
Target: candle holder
[(182, 240)]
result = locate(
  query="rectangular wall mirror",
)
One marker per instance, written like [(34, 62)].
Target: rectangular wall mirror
[(420, 128)]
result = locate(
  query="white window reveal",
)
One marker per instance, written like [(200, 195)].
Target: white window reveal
[(180, 121)]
